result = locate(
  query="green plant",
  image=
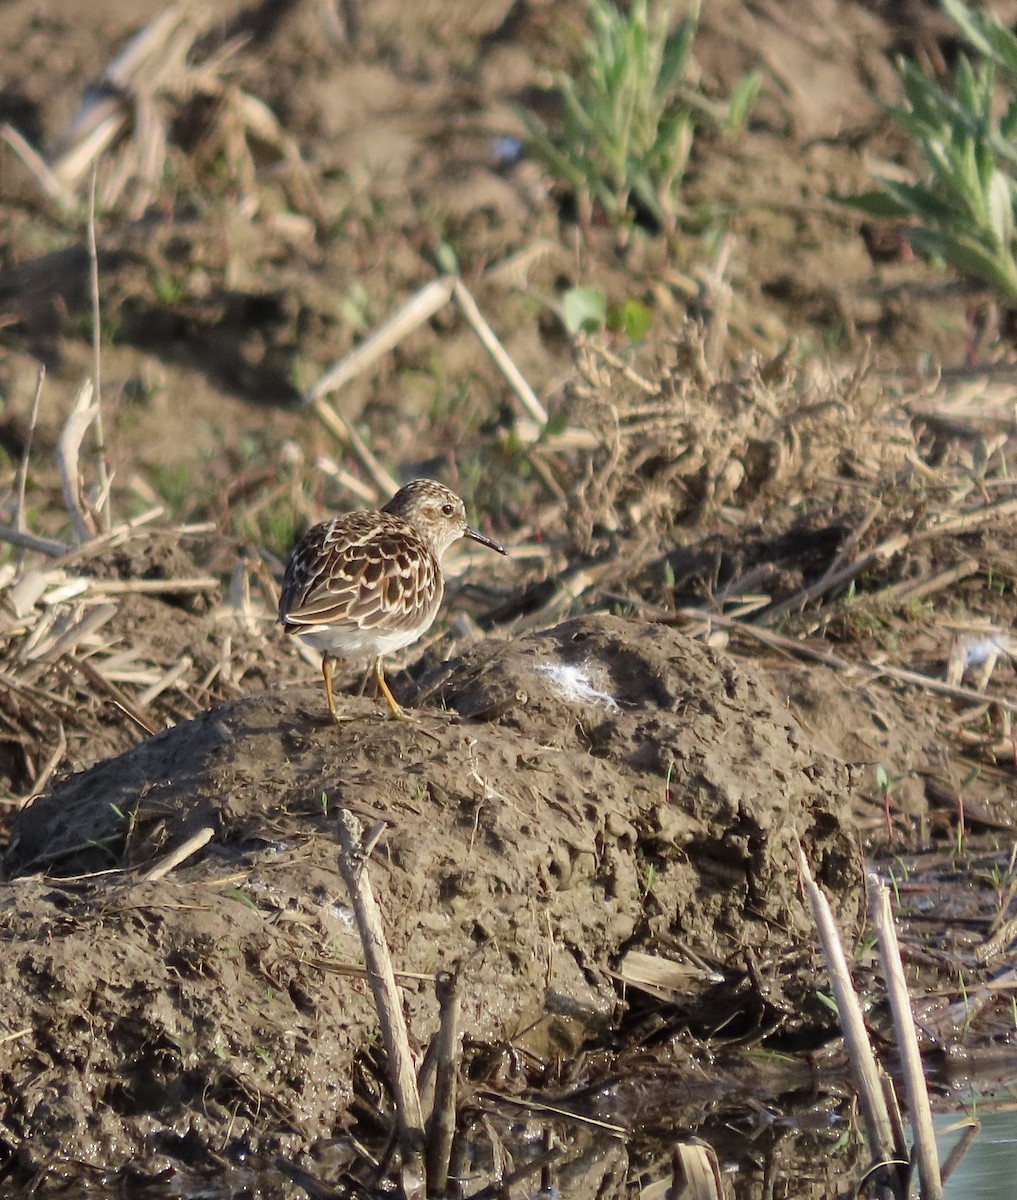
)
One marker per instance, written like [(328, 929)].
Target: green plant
[(269, 522), (173, 483), (647, 874), (964, 210), (168, 289), (628, 119), (586, 309), (866, 945)]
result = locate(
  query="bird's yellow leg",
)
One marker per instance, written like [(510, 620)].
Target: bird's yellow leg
[(326, 672), (393, 703)]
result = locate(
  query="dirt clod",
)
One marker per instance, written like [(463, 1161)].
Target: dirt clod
[(601, 787)]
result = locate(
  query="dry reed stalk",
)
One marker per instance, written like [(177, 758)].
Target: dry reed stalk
[(22, 480), (931, 1182), (441, 1125), (344, 431), (37, 167), (574, 437), (402, 1077), (168, 680), (663, 978), (917, 589), (429, 300), (112, 692), (153, 54), (696, 1173), (101, 467), (497, 352), (48, 768), (152, 587), (953, 1159), (130, 117), (837, 576), (798, 649), (885, 1150), (965, 522), (67, 639), (83, 412), (116, 536), (31, 541), (180, 854), (544, 1108)]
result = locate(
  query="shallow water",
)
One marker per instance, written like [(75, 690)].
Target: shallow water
[(988, 1171)]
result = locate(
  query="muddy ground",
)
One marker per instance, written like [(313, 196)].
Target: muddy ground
[(759, 590)]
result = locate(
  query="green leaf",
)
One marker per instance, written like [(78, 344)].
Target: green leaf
[(556, 423), (920, 202), (1000, 210), (445, 259), (995, 269), (677, 51), (1008, 123), (631, 318), (628, 117), (986, 34), (973, 30), (876, 204), (584, 308), (235, 893), (742, 99)]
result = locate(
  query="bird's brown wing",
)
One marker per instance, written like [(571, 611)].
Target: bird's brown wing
[(366, 569)]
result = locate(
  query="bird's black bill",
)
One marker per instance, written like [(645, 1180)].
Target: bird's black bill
[(484, 540)]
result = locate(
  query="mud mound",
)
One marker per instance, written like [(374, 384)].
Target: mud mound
[(597, 789)]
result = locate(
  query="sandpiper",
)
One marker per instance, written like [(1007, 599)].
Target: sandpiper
[(368, 583)]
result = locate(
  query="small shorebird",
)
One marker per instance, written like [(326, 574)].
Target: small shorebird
[(368, 583)]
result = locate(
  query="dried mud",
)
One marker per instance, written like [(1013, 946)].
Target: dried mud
[(561, 800)]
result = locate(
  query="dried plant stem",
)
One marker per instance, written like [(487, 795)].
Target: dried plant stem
[(345, 432), (50, 765), (23, 469), (841, 574), (50, 183), (98, 680), (962, 1146), (182, 852), (441, 1125), (868, 1076), (965, 522), (911, 589), (422, 307), (931, 1181), (695, 1172), (153, 587), (499, 355), (402, 1077), (101, 470), (427, 301), (31, 541), (799, 649), (67, 455)]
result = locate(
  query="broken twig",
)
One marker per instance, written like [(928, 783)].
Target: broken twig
[(402, 1077)]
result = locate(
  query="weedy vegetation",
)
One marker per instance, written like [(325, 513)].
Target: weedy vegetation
[(963, 209), (630, 115)]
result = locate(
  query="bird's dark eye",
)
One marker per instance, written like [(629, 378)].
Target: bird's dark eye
[(447, 510)]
